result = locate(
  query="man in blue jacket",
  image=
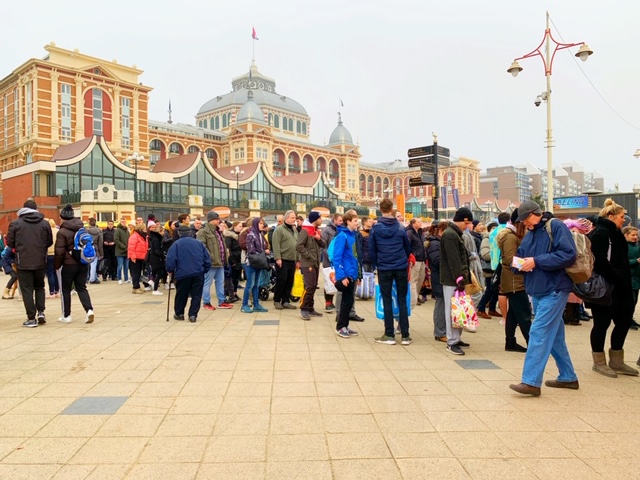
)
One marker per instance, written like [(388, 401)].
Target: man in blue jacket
[(347, 269), (389, 249), (187, 261), (548, 284)]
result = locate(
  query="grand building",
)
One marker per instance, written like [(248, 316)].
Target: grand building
[(70, 124)]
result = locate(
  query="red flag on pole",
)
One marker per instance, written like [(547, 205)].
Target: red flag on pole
[(253, 34)]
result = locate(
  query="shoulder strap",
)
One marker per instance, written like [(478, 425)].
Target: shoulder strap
[(549, 232)]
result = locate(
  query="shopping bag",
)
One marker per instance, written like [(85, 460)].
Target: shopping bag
[(367, 287), (463, 313), (394, 302), (329, 286), (298, 284)]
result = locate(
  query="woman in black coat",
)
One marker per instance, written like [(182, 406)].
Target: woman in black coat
[(157, 257), (610, 251), (232, 242), (433, 256)]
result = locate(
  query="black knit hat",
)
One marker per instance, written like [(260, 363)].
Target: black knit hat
[(67, 212), (514, 216), (463, 214)]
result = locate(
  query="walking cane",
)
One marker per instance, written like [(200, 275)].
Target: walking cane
[(169, 280)]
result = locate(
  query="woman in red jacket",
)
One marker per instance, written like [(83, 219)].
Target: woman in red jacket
[(137, 252)]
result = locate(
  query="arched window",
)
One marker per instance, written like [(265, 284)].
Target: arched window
[(155, 144), (276, 121), (217, 122), (270, 120), (298, 126), (291, 124), (200, 123), (224, 121), (175, 147), (210, 153), (193, 149), (205, 123), (229, 118), (285, 123), (304, 128)]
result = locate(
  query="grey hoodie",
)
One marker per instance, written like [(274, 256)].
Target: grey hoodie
[(98, 240)]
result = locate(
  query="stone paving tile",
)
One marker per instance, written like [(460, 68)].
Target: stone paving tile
[(232, 471), (366, 469)]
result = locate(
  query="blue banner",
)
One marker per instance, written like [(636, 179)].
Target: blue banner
[(456, 198), (571, 202), (444, 196)]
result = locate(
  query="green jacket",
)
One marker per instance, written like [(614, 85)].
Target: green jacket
[(634, 255), (121, 238), (214, 242), (508, 243), (284, 243), (309, 249)]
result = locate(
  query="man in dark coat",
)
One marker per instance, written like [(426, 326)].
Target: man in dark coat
[(188, 260), (109, 248), (30, 236)]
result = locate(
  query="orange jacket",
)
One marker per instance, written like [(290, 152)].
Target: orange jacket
[(138, 247)]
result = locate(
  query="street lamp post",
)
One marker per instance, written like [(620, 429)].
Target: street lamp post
[(238, 173), (387, 191), (488, 203), (547, 60), (135, 158), (377, 200)]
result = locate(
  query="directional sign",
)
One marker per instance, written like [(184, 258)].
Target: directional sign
[(420, 151), (421, 180), (417, 162), (428, 161), (443, 151)]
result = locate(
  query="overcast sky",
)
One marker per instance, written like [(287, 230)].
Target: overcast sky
[(403, 69)]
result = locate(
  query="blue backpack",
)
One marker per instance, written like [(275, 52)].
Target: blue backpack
[(83, 249), (330, 248)]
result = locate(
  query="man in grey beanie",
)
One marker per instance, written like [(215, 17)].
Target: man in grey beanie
[(30, 237)]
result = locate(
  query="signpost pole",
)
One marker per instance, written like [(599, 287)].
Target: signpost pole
[(435, 178)]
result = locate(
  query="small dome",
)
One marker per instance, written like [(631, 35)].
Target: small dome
[(340, 134), (250, 111)]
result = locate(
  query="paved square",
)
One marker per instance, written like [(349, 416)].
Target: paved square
[(95, 406)]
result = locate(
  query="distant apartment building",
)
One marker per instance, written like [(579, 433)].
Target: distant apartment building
[(520, 183)]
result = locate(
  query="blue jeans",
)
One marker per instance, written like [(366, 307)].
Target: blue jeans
[(217, 274), (252, 287), (547, 337), (94, 268), (52, 278), (123, 264)]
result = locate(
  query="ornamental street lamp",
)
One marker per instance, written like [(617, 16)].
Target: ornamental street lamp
[(135, 158), (377, 200), (547, 60), (387, 191), (488, 203), (238, 173)]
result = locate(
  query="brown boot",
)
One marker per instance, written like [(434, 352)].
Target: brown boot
[(600, 365), (138, 291), (616, 362), (7, 294), (13, 291)]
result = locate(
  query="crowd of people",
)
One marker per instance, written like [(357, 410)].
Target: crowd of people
[(522, 259)]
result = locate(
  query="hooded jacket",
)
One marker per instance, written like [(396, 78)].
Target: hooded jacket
[(454, 258), (64, 243), (212, 239), (364, 246), (157, 254), (616, 269), (96, 234), (433, 255), (389, 245), (308, 247), (234, 252), (548, 276), (138, 246), (30, 235), (508, 243), (345, 261), (121, 237)]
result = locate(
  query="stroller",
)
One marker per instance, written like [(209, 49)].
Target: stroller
[(268, 279)]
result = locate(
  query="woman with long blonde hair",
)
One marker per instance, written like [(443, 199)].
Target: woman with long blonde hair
[(610, 252)]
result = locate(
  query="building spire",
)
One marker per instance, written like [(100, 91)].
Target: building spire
[(170, 121)]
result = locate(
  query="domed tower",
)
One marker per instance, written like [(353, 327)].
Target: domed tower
[(340, 135), (250, 112)]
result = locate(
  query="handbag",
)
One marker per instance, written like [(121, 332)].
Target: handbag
[(298, 284), (474, 287), (367, 286), (258, 260), (329, 286), (463, 313), (595, 291)]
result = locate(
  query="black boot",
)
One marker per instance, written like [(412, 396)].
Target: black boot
[(512, 346), (570, 315)]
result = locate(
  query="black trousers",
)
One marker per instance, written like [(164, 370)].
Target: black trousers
[(185, 287), (284, 281), (110, 261), (310, 275), (30, 282), (348, 298), (74, 275), (519, 313), (158, 274), (136, 270), (620, 312)]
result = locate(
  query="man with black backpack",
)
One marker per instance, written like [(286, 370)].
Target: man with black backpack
[(72, 257)]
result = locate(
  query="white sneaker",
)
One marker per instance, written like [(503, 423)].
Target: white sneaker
[(151, 283), (166, 286), (119, 282), (147, 289), (65, 319), (127, 281), (90, 317), (73, 292), (157, 292)]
